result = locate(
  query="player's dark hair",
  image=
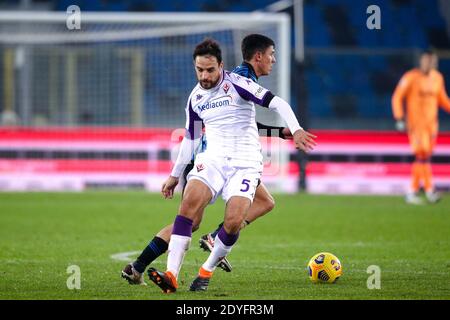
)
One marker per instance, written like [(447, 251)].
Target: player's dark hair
[(429, 52), (208, 47), (254, 43)]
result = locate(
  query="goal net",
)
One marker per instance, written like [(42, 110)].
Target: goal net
[(121, 69), (127, 70)]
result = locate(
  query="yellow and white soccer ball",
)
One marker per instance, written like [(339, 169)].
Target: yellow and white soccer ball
[(324, 267)]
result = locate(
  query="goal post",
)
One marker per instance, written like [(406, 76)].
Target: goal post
[(123, 69)]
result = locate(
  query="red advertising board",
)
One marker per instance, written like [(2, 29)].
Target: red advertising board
[(369, 162)]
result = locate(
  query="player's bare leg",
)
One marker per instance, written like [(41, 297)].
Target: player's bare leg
[(262, 204), (235, 213), (196, 197), (133, 272)]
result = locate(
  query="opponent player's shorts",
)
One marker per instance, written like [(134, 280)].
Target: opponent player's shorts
[(422, 141), (227, 176)]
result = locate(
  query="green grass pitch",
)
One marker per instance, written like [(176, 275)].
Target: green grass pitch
[(42, 234)]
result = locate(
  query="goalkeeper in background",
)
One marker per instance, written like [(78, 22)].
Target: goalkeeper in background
[(258, 52), (424, 91)]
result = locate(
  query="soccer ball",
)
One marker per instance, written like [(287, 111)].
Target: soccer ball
[(324, 267)]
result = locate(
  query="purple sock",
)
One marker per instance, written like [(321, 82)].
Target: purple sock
[(227, 239), (182, 226)]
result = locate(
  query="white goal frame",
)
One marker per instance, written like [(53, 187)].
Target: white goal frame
[(225, 19), (181, 24)]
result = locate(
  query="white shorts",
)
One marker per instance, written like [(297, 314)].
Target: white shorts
[(227, 176)]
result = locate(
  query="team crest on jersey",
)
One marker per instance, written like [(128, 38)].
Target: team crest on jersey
[(226, 87), (199, 96), (200, 167)]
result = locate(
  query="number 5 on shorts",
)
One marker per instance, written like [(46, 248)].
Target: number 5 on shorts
[(245, 182)]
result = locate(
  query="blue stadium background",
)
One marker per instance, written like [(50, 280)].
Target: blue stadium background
[(349, 73)]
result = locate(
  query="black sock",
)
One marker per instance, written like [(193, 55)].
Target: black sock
[(155, 248), (214, 234)]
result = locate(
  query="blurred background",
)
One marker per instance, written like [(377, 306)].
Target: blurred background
[(96, 107)]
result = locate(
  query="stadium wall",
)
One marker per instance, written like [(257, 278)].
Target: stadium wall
[(344, 162)]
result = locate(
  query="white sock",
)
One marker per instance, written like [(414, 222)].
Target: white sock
[(219, 251), (178, 245)]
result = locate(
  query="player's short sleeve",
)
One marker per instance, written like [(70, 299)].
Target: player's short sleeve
[(194, 123), (251, 91)]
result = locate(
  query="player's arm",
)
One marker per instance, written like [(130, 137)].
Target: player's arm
[(443, 98), (397, 102), (283, 132), (303, 140), (251, 91), (189, 144)]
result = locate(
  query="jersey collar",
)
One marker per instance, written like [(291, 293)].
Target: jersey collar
[(250, 67)]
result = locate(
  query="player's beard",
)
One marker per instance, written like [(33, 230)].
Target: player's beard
[(208, 84)]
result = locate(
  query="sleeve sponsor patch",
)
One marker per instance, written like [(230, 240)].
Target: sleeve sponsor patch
[(259, 93)]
